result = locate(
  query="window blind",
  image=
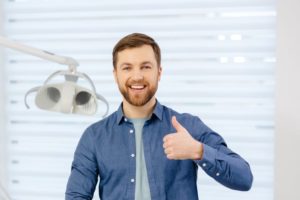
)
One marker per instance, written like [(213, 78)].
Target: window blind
[(218, 63)]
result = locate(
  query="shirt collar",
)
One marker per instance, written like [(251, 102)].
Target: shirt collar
[(158, 109)]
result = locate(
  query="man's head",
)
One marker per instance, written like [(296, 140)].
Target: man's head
[(135, 40), (137, 70)]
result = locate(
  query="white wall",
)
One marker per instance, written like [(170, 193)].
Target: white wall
[(287, 152), (2, 107), (1, 101)]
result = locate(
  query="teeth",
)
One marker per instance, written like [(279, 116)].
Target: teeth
[(137, 86)]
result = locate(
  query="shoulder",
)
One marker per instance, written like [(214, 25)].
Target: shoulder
[(191, 122), (100, 127), (181, 117)]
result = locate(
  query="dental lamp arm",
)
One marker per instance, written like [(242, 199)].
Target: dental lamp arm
[(72, 63)]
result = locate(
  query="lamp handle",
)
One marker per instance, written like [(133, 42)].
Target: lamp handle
[(29, 92)]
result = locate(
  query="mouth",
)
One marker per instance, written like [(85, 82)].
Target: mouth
[(137, 88)]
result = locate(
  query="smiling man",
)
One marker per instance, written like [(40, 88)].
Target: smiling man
[(145, 150)]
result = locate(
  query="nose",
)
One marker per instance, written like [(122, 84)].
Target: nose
[(137, 75)]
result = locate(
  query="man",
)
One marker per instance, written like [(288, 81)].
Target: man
[(146, 150)]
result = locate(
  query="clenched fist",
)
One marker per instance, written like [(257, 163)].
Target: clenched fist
[(181, 145)]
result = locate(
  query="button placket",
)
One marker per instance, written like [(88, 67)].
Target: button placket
[(132, 154)]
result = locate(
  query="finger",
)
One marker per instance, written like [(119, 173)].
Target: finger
[(170, 156), (177, 125), (168, 137), (165, 139), (167, 151), (165, 145), (168, 143)]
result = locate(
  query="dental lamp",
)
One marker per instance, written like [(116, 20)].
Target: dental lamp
[(65, 97)]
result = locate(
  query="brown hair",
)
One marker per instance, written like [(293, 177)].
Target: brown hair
[(136, 40)]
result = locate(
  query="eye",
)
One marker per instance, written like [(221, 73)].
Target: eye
[(146, 67), (126, 68)]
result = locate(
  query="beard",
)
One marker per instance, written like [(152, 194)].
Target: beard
[(139, 99)]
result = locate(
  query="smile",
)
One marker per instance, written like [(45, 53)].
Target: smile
[(137, 87)]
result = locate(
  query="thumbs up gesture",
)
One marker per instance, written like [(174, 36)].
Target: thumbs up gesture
[(181, 145)]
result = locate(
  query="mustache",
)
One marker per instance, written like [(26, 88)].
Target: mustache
[(129, 83)]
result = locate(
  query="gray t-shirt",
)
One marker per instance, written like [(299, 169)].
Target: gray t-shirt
[(142, 190)]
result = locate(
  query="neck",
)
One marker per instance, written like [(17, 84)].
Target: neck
[(144, 111)]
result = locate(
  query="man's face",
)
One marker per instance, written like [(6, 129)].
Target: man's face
[(137, 74)]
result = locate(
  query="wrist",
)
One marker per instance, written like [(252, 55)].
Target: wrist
[(198, 151)]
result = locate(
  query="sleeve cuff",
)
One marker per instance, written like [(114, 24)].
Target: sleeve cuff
[(208, 158)]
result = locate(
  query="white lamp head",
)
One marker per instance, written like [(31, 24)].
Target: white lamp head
[(67, 97)]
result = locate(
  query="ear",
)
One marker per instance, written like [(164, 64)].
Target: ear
[(115, 75), (159, 72)]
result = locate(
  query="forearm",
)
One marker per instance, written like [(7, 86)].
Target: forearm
[(81, 184), (84, 174), (226, 167)]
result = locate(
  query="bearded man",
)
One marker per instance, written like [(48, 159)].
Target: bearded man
[(146, 150)]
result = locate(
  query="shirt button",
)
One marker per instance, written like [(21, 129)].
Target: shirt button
[(131, 131), (132, 180), (125, 119), (218, 174), (204, 164), (132, 155)]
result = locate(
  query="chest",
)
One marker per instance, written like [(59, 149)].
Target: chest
[(116, 153)]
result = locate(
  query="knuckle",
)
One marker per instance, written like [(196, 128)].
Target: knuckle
[(169, 156), (164, 145)]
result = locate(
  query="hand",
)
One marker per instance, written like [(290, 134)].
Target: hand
[(181, 145)]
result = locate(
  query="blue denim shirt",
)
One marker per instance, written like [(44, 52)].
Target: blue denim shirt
[(107, 148)]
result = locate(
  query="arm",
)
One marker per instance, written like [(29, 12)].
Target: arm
[(208, 150), (224, 165), (83, 179)]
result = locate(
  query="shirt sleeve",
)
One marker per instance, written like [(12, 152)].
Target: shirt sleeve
[(84, 172), (221, 163)]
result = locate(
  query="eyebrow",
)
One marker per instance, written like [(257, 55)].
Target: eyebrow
[(147, 62), (125, 64), (143, 63)]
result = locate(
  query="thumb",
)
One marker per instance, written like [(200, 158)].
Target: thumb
[(177, 125)]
